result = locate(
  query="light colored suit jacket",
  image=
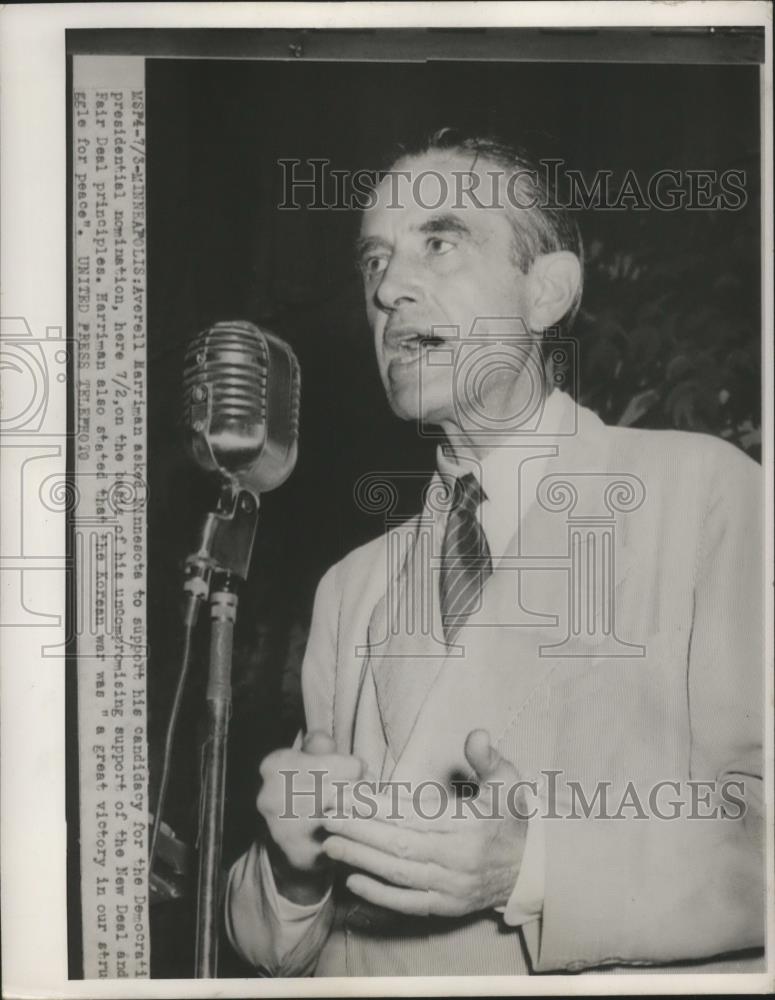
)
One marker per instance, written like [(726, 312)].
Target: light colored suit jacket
[(663, 682)]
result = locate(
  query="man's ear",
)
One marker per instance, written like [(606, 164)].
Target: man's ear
[(554, 281)]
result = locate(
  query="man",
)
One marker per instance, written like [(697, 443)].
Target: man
[(589, 626)]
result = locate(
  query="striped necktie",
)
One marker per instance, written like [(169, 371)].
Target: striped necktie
[(465, 557)]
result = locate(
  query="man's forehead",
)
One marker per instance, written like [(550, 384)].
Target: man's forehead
[(437, 184), (445, 161)]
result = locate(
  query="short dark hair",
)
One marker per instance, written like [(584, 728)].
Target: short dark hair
[(544, 227)]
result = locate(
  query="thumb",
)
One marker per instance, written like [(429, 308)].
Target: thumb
[(318, 742), (485, 759)]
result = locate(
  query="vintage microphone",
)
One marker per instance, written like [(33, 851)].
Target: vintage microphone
[(241, 389), (241, 405)]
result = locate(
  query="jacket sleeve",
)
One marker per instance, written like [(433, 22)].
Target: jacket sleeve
[(661, 891), (264, 928)]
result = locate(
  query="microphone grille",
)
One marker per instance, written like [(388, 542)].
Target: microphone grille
[(229, 361), (295, 396), (241, 389)]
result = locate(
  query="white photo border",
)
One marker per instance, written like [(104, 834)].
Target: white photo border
[(33, 108)]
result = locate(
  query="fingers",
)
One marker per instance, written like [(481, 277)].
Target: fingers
[(297, 784), (482, 757), (485, 759), (432, 808), (391, 838), (412, 902), (318, 742), (398, 871), (334, 766)]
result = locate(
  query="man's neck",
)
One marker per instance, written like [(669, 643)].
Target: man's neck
[(474, 443)]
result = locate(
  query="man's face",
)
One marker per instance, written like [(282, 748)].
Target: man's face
[(436, 276)]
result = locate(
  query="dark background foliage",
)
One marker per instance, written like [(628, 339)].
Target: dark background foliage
[(668, 336)]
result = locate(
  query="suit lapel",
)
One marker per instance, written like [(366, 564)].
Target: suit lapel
[(405, 634), (429, 700), (483, 683)]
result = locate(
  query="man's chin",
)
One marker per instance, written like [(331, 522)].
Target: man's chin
[(411, 397), (404, 408), (407, 405)]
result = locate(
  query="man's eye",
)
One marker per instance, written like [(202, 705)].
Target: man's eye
[(372, 267), (437, 246)]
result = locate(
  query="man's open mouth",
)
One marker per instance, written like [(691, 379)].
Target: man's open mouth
[(409, 347)]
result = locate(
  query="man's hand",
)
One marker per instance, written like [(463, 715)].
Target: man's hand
[(449, 866), (292, 800)]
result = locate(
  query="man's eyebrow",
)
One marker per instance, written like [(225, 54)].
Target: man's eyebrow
[(446, 223), (367, 243)]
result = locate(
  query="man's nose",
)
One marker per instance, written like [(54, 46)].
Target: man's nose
[(399, 284)]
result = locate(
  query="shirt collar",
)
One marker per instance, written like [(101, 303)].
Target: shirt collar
[(498, 472)]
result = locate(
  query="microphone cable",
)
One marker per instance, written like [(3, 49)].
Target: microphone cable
[(191, 616)]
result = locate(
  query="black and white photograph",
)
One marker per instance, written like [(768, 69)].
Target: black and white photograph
[(403, 454)]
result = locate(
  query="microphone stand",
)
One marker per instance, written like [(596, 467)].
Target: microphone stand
[(217, 569)]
